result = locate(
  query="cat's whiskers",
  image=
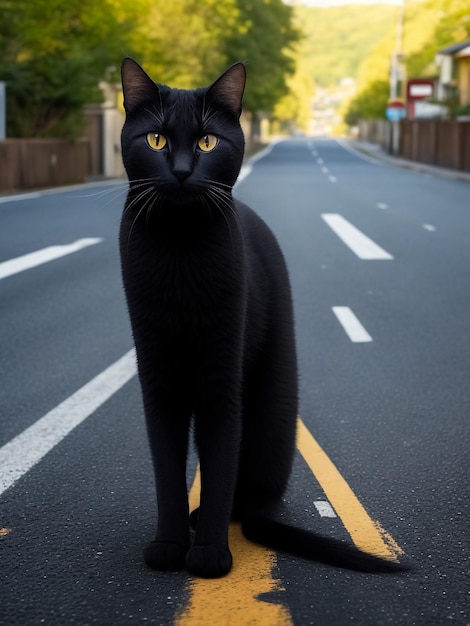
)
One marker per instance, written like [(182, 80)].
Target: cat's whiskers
[(139, 196), (155, 203), (156, 114), (119, 190), (144, 207), (208, 114), (224, 204), (206, 204), (224, 198), (219, 184)]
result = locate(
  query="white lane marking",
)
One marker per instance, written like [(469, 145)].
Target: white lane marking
[(27, 261), (333, 179), (62, 190), (355, 151), (20, 454), (429, 227), (324, 508), (359, 243), (324, 170), (382, 205), (351, 325), (244, 172), (247, 168), (320, 161), (20, 196)]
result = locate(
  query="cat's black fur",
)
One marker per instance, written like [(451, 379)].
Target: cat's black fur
[(210, 306)]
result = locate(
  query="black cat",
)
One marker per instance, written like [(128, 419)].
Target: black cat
[(210, 307)]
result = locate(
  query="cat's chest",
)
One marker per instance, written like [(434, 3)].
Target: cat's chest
[(190, 283)]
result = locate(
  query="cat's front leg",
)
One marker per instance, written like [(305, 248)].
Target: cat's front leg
[(168, 437), (218, 432)]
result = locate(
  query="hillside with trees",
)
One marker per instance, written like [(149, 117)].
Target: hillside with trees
[(428, 26)]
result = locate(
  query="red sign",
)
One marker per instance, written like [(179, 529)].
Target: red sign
[(395, 104), (417, 90)]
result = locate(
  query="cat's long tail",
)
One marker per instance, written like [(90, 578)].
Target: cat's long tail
[(309, 545)]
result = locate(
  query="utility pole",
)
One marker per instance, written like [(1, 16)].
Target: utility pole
[(3, 111), (396, 76), (396, 70)]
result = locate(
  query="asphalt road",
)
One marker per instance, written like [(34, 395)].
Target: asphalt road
[(383, 330)]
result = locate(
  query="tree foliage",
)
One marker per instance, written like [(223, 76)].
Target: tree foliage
[(263, 39), (370, 103), (55, 52)]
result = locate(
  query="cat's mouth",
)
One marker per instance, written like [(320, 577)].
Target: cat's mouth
[(185, 194)]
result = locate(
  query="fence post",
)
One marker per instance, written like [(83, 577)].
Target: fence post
[(3, 111)]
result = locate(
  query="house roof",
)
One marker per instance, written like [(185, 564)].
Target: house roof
[(454, 48)]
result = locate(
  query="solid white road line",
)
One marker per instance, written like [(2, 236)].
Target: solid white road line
[(324, 508), (20, 196), (351, 325), (27, 261), (244, 172), (20, 454), (359, 243)]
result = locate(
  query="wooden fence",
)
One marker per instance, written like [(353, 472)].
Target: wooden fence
[(444, 143), (36, 163)]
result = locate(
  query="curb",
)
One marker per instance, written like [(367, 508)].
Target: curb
[(375, 152)]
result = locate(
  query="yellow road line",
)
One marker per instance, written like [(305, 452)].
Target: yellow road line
[(232, 601), (367, 534)]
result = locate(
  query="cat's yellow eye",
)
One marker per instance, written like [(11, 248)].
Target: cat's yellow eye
[(156, 141), (207, 143)]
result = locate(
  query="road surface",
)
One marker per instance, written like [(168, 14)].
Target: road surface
[(380, 265)]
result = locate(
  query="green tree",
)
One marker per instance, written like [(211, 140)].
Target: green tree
[(369, 103), (54, 53), (428, 26), (263, 38), (179, 42), (296, 106)]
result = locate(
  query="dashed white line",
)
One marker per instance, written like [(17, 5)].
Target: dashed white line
[(357, 241), (333, 179), (351, 325), (28, 261), (20, 454), (382, 205), (429, 227), (324, 508)]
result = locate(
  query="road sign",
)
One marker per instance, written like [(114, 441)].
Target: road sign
[(395, 110)]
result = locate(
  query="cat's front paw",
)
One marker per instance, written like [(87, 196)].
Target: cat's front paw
[(165, 555), (209, 561)]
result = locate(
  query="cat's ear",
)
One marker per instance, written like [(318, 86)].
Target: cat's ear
[(228, 88), (137, 86)]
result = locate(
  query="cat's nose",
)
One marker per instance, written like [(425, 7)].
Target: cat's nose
[(182, 174), (181, 165)]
